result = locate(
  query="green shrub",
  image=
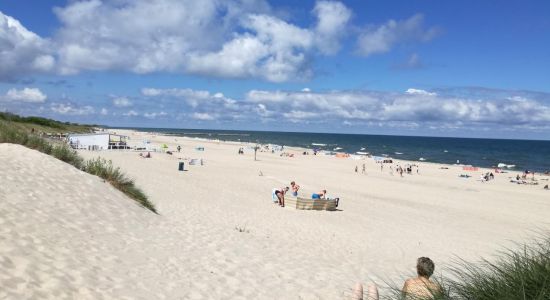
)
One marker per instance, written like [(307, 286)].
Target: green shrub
[(104, 168), (68, 155), (11, 134), (516, 274)]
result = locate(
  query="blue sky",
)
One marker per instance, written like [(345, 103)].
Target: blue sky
[(439, 68)]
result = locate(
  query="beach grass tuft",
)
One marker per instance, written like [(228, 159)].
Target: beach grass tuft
[(104, 169), (522, 273), (68, 155)]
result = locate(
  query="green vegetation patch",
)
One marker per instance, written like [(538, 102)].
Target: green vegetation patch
[(104, 169), (10, 132)]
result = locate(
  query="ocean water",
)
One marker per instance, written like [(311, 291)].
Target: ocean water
[(524, 154)]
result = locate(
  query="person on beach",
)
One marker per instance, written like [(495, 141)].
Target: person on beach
[(280, 194), (179, 148), (294, 188), (421, 286), (356, 169), (364, 170), (321, 195)]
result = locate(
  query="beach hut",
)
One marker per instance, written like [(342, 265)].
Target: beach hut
[(97, 141)]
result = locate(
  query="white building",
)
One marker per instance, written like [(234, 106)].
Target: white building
[(97, 141)]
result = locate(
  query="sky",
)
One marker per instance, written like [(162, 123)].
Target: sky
[(411, 67)]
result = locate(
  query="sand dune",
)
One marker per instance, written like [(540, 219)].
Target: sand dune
[(66, 234)]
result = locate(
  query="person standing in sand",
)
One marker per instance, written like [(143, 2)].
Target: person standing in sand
[(422, 287), (294, 188), (364, 170)]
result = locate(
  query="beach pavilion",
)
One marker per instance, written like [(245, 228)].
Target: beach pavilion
[(97, 141)]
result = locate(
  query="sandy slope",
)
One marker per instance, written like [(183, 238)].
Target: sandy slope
[(68, 233)]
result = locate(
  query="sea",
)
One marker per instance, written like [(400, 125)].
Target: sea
[(519, 155)]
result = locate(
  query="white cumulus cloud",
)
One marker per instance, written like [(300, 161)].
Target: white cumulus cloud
[(415, 106), (230, 39), (154, 115), (203, 116), (71, 109), (412, 91), (33, 95), (332, 20), (131, 113), (22, 51), (227, 39), (121, 102), (381, 39)]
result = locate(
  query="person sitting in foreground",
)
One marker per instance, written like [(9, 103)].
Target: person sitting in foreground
[(320, 195), (421, 286), (295, 188)]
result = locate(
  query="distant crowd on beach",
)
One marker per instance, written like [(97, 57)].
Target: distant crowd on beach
[(528, 178)]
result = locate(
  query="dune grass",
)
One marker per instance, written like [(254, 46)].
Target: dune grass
[(43, 124), (520, 273), (104, 169), (15, 134)]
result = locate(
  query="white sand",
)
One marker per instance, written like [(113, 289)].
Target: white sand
[(69, 235)]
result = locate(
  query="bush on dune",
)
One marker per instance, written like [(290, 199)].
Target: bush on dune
[(10, 134), (68, 155), (104, 169)]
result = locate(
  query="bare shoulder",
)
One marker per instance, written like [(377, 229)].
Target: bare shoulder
[(407, 284)]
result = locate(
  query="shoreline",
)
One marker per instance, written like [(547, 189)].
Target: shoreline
[(310, 150)]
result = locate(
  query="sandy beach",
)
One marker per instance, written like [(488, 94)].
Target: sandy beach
[(218, 235)]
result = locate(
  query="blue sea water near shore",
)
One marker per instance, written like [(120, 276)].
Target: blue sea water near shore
[(524, 154)]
